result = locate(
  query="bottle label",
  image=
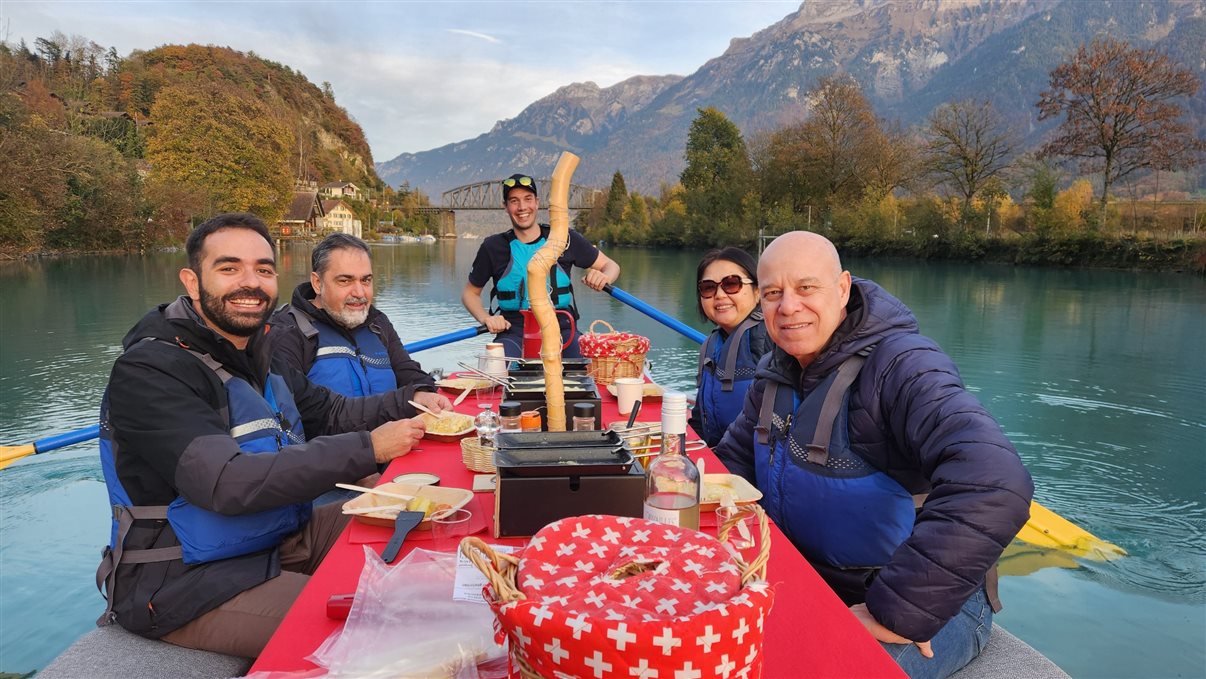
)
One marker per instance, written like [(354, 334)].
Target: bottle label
[(666, 516)]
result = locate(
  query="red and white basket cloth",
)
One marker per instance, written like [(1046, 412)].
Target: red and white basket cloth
[(687, 617)]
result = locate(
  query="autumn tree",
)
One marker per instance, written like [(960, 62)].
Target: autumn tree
[(716, 178), (224, 143), (617, 197), (1120, 112), (967, 146)]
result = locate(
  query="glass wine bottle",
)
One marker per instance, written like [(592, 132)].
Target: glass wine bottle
[(672, 481)]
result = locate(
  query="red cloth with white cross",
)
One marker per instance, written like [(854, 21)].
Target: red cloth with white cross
[(618, 597)]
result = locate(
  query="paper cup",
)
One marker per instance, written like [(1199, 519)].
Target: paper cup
[(629, 390)]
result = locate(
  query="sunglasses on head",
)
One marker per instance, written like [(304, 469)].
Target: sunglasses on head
[(730, 284), (512, 182)]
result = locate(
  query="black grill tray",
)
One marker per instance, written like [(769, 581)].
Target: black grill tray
[(564, 461), (558, 439)]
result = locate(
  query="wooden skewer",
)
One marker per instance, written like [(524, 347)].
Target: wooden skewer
[(374, 491), (429, 411), (460, 398)]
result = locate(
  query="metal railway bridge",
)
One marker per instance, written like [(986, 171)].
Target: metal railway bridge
[(488, 196)]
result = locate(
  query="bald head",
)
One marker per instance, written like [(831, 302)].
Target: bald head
[(804, 293)]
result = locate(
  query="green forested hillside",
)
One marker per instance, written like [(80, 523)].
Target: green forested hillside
[(99, 151)]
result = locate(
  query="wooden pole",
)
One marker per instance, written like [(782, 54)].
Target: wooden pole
[(538, 294)]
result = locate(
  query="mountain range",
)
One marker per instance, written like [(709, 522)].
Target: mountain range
[(908, 55)]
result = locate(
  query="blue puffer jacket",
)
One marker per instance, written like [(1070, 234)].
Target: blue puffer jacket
[(910, 416)]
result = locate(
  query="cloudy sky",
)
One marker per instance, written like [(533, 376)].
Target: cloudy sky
[(417, 75)]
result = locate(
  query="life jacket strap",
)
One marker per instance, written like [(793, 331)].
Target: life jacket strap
[(303, 321), (729, 375), (112, 557), (818, 450)]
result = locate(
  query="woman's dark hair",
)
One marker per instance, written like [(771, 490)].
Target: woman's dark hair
[(732, 254)]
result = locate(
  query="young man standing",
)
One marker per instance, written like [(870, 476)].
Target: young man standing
[(503, 258)]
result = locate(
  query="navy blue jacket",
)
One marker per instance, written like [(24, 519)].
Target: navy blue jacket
[(911, 417)]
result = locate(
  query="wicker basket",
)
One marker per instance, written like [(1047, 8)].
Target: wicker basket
[(477, 457), (613, 354), (502, 570)]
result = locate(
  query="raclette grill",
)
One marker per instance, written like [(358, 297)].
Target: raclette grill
[(567, 453)]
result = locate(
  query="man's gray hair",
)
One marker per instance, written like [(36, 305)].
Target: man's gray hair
[(321, 257)]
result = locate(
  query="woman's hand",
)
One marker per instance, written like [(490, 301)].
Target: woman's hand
[(884, 634)]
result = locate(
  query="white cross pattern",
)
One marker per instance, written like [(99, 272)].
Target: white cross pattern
[(598, 550), (548, 568), (580, 531), (596, 663), (640, 535), (716, 587), (596, 599), (621, 635), (687, 672), (760, 618), (555, 600), (643, 670), (744, 672), (743, 599), (693, 566), (701, 606), (749, 658), (584, 566), (579, 624), (532, 582), (522, 638), (611, 536), (554, 649), (707, 551), (628, 551), (666, 606), (667, 641), (624, 520), (672, 535), (728, 567), (568, 581), (681, 585), (507, 607), (536, 543), (567, 548), (646, 585), (726, 666), (612, 614), (741, 631), (758, 586), (709, 637), (540, 614), (631, 602), (661, 551)]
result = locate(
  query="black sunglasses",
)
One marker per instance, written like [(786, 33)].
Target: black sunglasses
[(510, 182), (730, 284)]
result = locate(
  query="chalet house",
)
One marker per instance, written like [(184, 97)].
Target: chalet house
[(303, 218), (340, 190), (339, 218)]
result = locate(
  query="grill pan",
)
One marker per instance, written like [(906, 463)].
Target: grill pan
[(562, 453)]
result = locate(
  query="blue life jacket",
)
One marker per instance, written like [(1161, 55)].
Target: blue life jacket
[(511, 288), (260, 424), (836, 508), (356, 367), (726, 371)]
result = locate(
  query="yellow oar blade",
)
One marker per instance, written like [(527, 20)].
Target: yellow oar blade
[(10, 454), (1048, 529)]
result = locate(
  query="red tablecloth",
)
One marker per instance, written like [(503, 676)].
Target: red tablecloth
[(809, 632)]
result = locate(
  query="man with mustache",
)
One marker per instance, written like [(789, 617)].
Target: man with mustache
[(334, 334), (503, 258), (212, 457), (877, 463)]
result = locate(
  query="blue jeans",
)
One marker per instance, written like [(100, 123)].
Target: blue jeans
[(955, 645)]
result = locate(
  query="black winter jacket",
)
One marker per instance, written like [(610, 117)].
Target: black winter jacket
[(171, 438), (911, 417)]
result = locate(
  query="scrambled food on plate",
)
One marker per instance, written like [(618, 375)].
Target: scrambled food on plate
[(427, 506), (717, 492), (455, 423), (462, 383)]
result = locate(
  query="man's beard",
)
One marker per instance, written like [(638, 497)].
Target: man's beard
[(349, 318), (234, 323)]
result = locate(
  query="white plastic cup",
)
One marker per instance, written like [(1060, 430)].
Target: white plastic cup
[(629, 390), (449, 528), (496, 363)]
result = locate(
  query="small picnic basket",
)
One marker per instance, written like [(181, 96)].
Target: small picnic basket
[(613, 354), (610, 596), (477, 457)]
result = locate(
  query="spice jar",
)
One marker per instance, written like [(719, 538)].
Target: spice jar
[(508, 411), (529, 420), (584, 417)]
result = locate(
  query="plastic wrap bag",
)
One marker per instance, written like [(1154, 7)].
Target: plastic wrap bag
[(404, 623)]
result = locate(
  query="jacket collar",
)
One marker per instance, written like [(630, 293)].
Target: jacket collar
[(303, 300)]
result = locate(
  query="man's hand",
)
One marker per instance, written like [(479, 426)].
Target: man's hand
[(497, 323), (884, 634), (433, 401), (595, 279), (395, 439)]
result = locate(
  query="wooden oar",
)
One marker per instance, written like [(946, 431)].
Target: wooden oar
[(10, 454)]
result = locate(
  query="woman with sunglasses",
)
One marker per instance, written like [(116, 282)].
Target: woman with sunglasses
[(728, 296)]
